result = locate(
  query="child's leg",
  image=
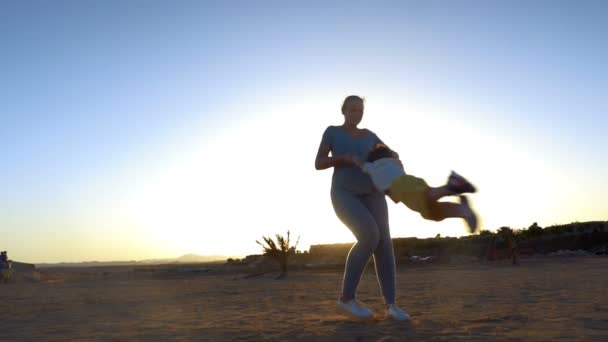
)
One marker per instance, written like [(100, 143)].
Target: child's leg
[(455, 185), (418, 196), (434, 194), (443, 210)]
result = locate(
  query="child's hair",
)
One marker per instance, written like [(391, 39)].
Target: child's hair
[(380, 151), (351, 98)]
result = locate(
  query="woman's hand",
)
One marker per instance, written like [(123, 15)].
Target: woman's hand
[(324, 161)]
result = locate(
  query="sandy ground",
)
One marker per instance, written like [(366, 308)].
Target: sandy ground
[(552, 299)]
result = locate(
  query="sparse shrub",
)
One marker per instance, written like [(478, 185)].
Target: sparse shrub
[(279, 250)]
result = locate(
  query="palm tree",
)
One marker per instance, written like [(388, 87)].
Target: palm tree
[(279, 250)]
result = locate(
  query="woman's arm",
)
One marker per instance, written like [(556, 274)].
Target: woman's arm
[(324, 161)]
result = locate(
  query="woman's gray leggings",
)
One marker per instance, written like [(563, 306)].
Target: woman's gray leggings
[(367, 217)]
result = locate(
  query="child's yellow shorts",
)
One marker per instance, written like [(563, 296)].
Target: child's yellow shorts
[(412, 191)]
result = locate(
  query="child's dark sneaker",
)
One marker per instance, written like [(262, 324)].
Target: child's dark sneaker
[(470, 217), (459, 185)]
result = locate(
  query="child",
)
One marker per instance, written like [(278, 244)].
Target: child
[(387, 174)]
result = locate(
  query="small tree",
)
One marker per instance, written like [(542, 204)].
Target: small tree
[(505, 231), (535, 230), (279, 250), (486, 234)]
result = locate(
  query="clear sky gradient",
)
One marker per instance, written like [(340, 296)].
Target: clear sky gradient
[(150, 129)]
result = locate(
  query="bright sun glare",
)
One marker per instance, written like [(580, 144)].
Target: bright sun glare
[(257, 178)]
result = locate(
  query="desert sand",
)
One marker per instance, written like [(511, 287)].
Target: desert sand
[(542, 299)]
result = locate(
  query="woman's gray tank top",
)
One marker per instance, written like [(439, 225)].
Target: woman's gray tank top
[(350, 177)]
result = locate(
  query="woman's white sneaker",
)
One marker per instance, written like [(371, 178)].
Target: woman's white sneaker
[(355, 309), (394, 312)]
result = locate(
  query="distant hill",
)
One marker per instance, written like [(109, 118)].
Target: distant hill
[(200, 258), (186, 258)]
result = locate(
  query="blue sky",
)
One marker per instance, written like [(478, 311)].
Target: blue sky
[(104, 101)]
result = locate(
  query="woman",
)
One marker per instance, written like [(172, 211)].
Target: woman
[(361, 208)]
